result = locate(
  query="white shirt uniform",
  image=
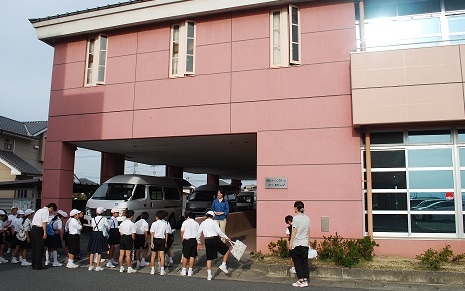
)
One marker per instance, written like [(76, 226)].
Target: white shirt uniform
[(141, 226), (190, 227), (159, 229), (210, 228), (169, 229), (27, 224), (74, 226), (113, 223), (102, 223), (57, 225), (127, 227), (40, 217), (67, 225)]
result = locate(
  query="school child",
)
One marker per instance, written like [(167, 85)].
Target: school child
[(114, 238), (53, 242), (170, 241), (159, 242), (213, 244), (10, 229), (141, 239), (16, 223), (97, 242), (189, 230), (25, 245), (127, 230), (3, 230), (74, 237), (288, 220)]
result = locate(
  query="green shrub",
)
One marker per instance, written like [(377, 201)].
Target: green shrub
[(432, 259), (279, 248), (367, 247)]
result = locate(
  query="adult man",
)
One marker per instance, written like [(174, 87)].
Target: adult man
[(39, 234)]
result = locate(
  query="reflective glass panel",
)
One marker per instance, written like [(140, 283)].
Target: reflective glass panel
[(429, 136), (103, 57), (457, 39), (295, 33), (462, 158), (417, 27), (454, 5), (389, 201), (387, 137), (101, 73), (390, 223), (190, 46), (431, 180), (295, 15), (418, 7), (424, 199), (190, 29), (295, 52), (103, 43), (388, 159), (389, 180), (456, 23), (380, 10), (433, 223), (189, 63), (430, 158)]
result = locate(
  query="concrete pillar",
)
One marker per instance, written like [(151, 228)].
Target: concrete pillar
[(171, 171), (213, 179), (111, 165), (58, 176)]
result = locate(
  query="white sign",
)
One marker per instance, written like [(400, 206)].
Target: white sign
[(276, 183)]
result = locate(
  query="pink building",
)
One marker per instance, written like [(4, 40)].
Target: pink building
[(265, 89)]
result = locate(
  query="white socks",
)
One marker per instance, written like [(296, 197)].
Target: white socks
[(209, 272), (55, 256)]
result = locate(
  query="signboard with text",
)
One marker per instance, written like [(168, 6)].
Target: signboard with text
[(276, 183)]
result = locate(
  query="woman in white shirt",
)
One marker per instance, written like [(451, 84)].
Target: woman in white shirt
[(97, 242)]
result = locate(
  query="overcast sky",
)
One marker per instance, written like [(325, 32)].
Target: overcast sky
[(26, 69)]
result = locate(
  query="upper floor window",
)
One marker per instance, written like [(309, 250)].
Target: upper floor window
[(182, 49), (96, 60), (8, 146), (285, 37)]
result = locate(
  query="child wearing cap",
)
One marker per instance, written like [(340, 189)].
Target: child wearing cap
[(15, 242), (97, 242), (114, 238), (53, 242), (213, 244), (189, 230), (10, 229), (74, 239), (3, 230), (25, 245), (159, 240)]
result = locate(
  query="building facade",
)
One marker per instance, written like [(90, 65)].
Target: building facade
[(360, 125)]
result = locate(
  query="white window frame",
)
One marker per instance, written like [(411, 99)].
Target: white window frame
[(180, 70), (93, 68), (284, 44)]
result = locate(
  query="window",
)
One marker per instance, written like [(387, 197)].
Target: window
[(139, 193), (156, 193), (8, 146), (171, 194), (285, 37), (182, 49), (96, 60)]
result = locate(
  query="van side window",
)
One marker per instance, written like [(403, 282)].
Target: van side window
[(171, 194), (139, 193), (156, 193)]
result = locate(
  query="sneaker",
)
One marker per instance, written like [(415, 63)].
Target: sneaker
[(98, 269), (137, 265), (190, 273), (183, 273), (26, 263), (300, 284), (114, 262), (8, 251), (57, 264), (162, 273), (90, 268), (3, 260), (72, 266), (110, 265), (14, 260), (46, 263), (224, 269), (144, 263), (121, 269), (292, 270), (209, 277), (152, 271), (131, 270)]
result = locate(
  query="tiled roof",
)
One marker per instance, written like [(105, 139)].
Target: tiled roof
[(28, 129), (19, 164)]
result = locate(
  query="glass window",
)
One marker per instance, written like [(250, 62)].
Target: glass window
[(113, 191), (276, 38), (97, 48), (387, 137), (139, 192), (171, 193), (456, 23), (388, 159), (462, 157), (285, 36), (418, 7), (190, 47), (451, 5), (433, 223), (390, 223), (429, 136), (424, 199), (156, 193), (295, 35), (430, 158), (389, 180), (389, 201), (174, 49), (182, 49), (379, 10), (431, 180)]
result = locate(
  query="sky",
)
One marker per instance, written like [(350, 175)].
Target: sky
[(26, 70)]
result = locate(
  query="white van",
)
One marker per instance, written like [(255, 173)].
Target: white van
[(138, 193)]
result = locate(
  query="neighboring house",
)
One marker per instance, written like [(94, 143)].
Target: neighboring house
[(354, 107), (21, 152)]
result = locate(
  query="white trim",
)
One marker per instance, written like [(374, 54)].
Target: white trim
[(14, 170), (141, 13)]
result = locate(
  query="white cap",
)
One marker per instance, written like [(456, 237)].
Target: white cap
[(20, 212), (74, 212), (62, 213), (100, 210), (2, 212), (114, 210), (13, 207), (28, 212), (211, 213)]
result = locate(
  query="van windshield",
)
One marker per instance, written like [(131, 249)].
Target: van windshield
[(114, 191), (202, 196)]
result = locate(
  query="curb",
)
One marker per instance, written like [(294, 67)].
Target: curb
[(394, 276)]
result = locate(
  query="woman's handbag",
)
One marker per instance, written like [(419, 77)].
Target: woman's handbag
[(238, 249)]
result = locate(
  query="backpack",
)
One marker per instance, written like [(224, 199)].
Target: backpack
[(49, 229), (21, 233)]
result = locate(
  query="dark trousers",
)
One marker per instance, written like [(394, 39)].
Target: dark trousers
[(37, 243), (300, 257)]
